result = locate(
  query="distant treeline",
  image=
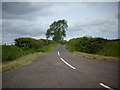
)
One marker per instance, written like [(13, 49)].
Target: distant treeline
[(92, 45), (24, 46)]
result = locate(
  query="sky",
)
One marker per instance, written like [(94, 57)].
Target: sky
[(32, 19)]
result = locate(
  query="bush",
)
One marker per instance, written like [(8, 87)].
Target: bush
[(24, 46), (93, 46), (27, 43)]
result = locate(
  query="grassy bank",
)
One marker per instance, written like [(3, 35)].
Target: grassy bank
[(94, 56), (110, 48), (10, 53), (25, 46), (20, 61), (94, 46), (26, 58), (48, 48)]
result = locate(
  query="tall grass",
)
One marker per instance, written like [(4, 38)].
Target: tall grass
[(22, 57), (48, 48), (10, 53), (110, 48)]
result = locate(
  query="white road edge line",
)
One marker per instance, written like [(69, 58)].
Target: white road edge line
[(105, 86), (67, 63), (58, 53)]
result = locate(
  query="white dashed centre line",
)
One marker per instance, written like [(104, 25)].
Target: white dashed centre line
[(105, 86), (58, 53), (67, 63)]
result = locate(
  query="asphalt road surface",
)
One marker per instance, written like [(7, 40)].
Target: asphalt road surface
[(61, 69)]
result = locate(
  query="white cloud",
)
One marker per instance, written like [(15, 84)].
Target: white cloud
[(94, 28), (33, 19)]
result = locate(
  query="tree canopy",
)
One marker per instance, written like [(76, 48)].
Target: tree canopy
[(57, 30)]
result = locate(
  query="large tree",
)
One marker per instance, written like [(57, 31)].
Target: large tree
[(57, 30)]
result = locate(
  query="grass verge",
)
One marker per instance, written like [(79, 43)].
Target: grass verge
[(93, 56), (24, 60), (48, 48)]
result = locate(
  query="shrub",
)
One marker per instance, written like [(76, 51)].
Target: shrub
[(32, 43), (24, 46), (94, 46)]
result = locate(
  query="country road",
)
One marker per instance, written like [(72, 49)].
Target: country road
[(62, 69)]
